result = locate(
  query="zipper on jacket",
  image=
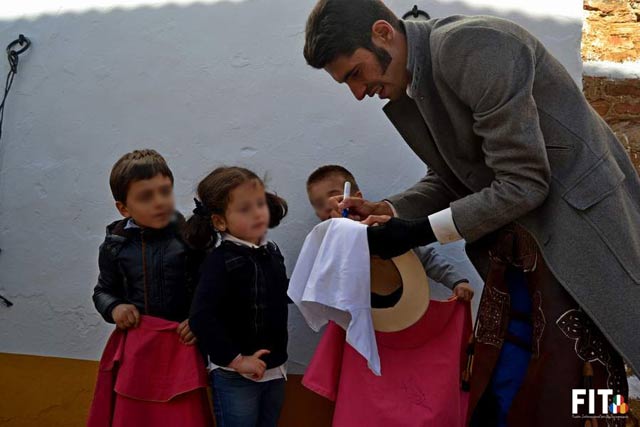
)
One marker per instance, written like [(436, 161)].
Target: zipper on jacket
[(144, 273), (161, 279)]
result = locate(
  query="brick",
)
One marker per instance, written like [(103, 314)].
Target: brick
[(593, 87), (632, 108), (624, 56), (601, 106), (620, 17), (631, 89), (601, 5), (619, 42)]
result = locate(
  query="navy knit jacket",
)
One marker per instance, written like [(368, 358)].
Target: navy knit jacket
[(240, 305)]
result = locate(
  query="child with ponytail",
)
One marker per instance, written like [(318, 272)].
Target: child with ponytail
[(240, 308)]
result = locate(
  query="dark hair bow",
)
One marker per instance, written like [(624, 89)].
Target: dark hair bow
[(201, 209)]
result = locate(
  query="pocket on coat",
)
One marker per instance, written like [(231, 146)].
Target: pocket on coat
[(596, 184), (603, 201)]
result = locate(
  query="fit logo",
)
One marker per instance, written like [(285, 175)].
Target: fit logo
[(591, 398)]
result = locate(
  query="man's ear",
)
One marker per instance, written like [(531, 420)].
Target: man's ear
[(219, 223), (358, 194), (382, 32), (122, 208)]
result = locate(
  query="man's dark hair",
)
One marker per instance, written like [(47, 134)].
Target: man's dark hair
[(136, 166), (339, 27), (324, 172)]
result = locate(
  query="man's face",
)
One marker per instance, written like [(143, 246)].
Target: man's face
[(369, 73), (150, 202), (319, 193)]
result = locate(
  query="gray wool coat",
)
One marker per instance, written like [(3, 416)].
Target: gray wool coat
[(509, 137)]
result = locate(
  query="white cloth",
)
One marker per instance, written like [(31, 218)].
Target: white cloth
[(331, 281)]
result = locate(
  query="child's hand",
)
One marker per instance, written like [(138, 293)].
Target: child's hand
[(126, 316), (186, 336), (463, 291), (251, 365)]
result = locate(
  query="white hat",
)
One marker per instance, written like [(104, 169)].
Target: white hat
[(404, 271)]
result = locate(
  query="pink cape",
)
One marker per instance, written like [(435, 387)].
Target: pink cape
[(421, 368), (147, 377)]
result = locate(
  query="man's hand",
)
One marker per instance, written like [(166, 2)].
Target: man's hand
[(184, 331), (463, 291), (358, 208), (251, 365), (126, 316), (390, 237)]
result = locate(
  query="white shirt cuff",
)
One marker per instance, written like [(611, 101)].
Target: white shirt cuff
[(393, 209), (443, 226)]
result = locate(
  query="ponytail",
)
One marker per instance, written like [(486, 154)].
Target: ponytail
[(198, 230), (278, 209)]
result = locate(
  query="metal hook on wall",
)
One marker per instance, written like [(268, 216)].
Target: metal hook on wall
[(13, 54), (416, 13)]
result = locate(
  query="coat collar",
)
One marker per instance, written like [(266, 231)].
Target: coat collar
[(126, 229), (228, 237), (417, 34), (238, 247), (420, 116)]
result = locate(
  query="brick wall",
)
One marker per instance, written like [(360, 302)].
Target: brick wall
[(611, 32), (618, 102)]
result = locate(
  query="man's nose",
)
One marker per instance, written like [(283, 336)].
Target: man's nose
[(358, 90)]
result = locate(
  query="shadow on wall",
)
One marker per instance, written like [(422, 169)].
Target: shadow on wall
[(205, 84)]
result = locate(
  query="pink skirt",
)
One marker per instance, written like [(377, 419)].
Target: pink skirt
[(147, 377), (189, 409), (421, 367)]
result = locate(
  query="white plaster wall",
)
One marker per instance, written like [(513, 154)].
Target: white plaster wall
[(205, 84)]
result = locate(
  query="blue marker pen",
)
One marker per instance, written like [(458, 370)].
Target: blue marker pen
[(347, 193)]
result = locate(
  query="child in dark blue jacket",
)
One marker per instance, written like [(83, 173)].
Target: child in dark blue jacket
[(240, 308), (147, 277)]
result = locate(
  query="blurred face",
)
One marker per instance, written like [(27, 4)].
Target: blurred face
[(319, 193), (247, 214), (369, 74), (150, 202)]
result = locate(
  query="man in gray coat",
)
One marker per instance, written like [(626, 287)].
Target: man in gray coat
[(523, 169)]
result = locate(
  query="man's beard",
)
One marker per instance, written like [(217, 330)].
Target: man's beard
[(383, 57)]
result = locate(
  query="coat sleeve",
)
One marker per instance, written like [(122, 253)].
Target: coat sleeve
[(427, 196), (492, 72), (109, 292), (206, 309), (438, 268)]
